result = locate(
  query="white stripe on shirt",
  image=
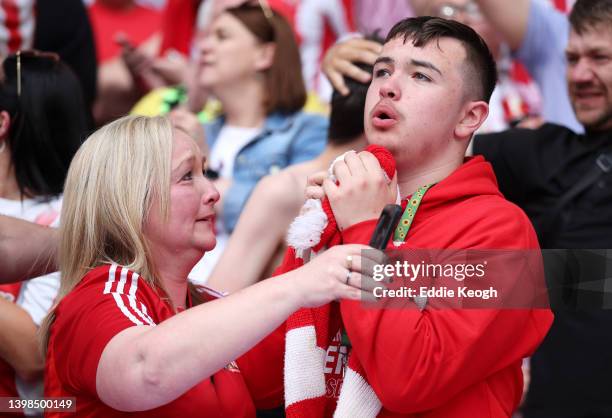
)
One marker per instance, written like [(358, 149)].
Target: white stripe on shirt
[(118, 295), (124, 309)]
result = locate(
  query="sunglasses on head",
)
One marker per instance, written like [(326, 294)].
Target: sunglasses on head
[(31, 55), (265, 8), (263, 5)]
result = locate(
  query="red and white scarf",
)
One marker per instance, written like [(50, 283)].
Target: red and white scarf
[(308, 335)]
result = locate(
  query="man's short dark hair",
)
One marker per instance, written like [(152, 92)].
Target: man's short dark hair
[(481, 75), (587, 14), (346, 116)]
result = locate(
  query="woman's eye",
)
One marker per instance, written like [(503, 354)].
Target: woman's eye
[(221, 34), (187, 177)]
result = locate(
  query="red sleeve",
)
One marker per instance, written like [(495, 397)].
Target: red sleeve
[(86, 323), (417, 360), (262, 370)]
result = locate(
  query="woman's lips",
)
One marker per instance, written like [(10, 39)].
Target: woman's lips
[(209, 218)]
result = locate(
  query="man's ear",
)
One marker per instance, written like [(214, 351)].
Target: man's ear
[(474, 114), (5, 125), (265, 56)]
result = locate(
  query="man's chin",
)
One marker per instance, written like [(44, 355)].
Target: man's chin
[(383, 140), (594, 122)]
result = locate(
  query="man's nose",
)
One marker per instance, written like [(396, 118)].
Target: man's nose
[(390, 90), (581, 71)]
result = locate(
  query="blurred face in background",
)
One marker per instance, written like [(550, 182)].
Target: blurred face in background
[(229, 54), (589, 76), (468, 13)]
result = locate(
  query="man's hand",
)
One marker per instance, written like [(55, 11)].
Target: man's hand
[(139, 64), (172, 67), (314, 186), (362, 192), (340, 58)]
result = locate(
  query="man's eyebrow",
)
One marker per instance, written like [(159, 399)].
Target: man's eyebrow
[(384, 60), (426, 64)]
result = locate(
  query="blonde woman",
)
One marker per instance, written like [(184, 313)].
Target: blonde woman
[(126, 334)]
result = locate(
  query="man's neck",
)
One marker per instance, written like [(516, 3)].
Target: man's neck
[(410, 180)]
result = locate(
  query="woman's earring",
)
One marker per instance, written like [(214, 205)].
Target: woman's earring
[(2, 146)]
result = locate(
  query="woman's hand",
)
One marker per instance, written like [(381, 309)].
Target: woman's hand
[(342, 272)]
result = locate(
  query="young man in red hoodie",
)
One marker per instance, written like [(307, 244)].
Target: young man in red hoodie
[(429, 94)]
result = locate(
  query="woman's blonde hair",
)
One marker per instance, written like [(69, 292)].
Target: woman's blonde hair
[(112, 181)]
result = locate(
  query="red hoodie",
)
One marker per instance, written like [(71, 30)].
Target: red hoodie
[(450, 363)]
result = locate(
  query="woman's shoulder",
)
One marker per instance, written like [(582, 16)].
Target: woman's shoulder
[(277, 120), (111, 289), (109, 279), (310, 117)]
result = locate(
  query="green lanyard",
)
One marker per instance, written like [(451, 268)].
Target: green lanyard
[(403, 226)]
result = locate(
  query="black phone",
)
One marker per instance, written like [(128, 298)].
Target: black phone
[(387, 221), (385, 227)]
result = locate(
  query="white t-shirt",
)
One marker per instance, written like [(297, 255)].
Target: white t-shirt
[(230, 141)]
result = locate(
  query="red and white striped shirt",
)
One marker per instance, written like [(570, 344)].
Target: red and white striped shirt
[(109, 299)]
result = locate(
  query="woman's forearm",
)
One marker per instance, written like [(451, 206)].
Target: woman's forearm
[(144, 367), (164, 362)]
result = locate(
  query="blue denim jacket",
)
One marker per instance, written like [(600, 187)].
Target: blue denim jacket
[(284, 140)]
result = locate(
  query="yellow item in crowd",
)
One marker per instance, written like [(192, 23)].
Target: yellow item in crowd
[(162, 100)]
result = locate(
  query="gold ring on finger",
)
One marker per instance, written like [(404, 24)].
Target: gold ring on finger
[(349, 262)]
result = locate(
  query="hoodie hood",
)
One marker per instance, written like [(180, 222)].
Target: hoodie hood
[(473, 179)]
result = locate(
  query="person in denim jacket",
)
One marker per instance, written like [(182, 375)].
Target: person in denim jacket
[(248, 59), (250, 62), (285, 140)]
